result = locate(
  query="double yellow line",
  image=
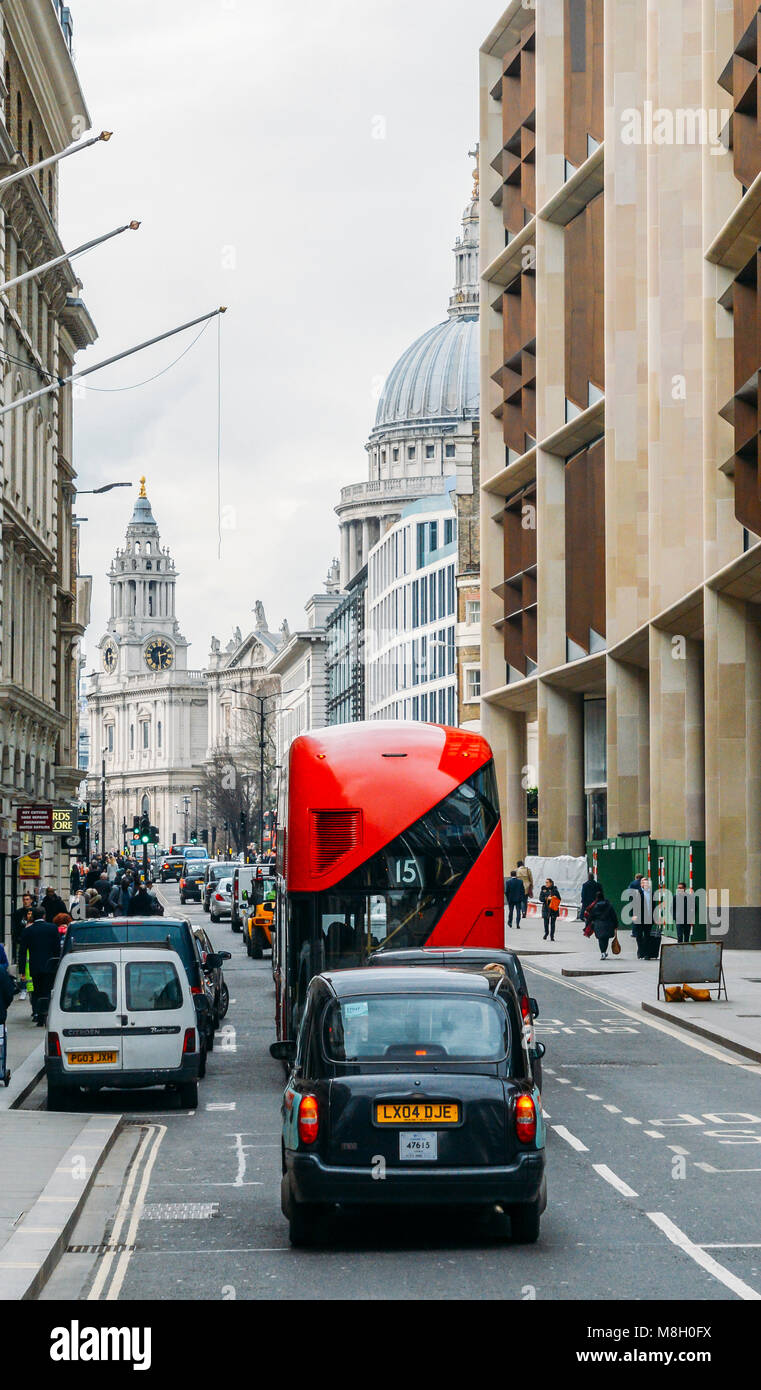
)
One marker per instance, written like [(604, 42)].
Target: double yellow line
[(107, 1285)]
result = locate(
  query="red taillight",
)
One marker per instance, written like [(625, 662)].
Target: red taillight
[(309, 1119), (196, 989), (525, 1119), (54, 1045), (182, 883), (189, 1044), (219, 897), (525, 1008)]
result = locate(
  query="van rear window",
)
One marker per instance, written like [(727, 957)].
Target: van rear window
[(89, 989), (152, 985)]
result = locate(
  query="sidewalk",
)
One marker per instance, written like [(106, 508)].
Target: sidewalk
[(734, 1023), (49, 1163)]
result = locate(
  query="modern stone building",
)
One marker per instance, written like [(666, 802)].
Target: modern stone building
[(44, 605), (148, 712), (300, 667), (621, 505)]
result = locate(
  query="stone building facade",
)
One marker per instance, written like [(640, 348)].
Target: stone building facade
[(44, 605), (621, 560)]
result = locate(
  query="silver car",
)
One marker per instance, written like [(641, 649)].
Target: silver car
[(220, 899)]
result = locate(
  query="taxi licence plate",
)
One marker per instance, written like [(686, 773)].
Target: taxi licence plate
[(438, 1113), (84, 1059)]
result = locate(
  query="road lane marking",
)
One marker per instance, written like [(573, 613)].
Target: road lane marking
[(630, 1120), (591, 1097), (123, 1263), (677, 1034), (614, 1180), (655, 1134), (563, 1081), (675, 1149), (612, 1109), (121, 1214), (739, 1245), (221, 1105), (570, 1139), (706, 1262)]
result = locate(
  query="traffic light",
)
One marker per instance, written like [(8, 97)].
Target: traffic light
[(83, 849), (136, 830), (205, 836), (243, 824), (194, 837), (145, 836)]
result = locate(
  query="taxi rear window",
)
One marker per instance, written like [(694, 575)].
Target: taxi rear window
[(416, 1028)]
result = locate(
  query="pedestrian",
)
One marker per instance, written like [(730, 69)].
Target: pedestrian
[(604, 923), (112, 867), (21, 918), (93, 904), (121, 894), (638, 910), (75, 879), (40, 945), (3, 957), (52, 904), (141, 904), (7, 992), (514, 895), (549, 897), (92, 875), (590, 891), (527, 879), (103, 888), (684, 913), (62, 922)]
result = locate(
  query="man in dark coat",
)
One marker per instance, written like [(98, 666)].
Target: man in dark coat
[(41, 943), (514, 895), (92, 875), (21, 917), (589, 891), (142, 903), (602, 918), (640, 926), (52, 904)]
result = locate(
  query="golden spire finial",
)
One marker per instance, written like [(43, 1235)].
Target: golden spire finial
[(476, 154), (143, 492)]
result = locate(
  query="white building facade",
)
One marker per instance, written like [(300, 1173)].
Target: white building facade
[(412, 616), (300, 666), (148, 711)]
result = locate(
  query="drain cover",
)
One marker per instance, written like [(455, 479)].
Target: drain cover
[(98, 1249), (180, 1211)]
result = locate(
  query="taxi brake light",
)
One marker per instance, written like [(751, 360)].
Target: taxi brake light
[(196, 989), (182, 883), (525, 1008), (309, 1119), (525, 1119)]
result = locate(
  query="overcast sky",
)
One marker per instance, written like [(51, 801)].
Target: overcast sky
[(245, 140)]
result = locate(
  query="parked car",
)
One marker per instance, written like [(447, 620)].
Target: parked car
[(216, 870), (121, 1018), (192, 880), (129, 931), (476, 958), (220, 903), (425, 1071), (212, 961)]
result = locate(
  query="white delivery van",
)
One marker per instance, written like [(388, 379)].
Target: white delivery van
[(121, 1017)]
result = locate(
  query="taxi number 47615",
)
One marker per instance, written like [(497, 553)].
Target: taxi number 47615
[(420, 1145)]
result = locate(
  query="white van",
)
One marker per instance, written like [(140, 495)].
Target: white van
[(121, 1017)]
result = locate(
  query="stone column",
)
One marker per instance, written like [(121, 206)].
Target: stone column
[(366, 539), (628, 734), (733, 751), (353, 548), (562, 818), (677, 762), (345, 561)]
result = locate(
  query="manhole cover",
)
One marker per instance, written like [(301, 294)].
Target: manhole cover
[(180, 1211)]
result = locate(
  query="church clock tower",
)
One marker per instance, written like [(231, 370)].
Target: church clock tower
[(148, 712)]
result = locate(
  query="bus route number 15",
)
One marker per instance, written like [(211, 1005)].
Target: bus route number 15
[(405, 871)]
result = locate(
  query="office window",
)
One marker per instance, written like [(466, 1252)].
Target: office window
[(415, 662), (423, 601), (442, 580), (146, 734), (432, 598), (434, 535), (450, 651), (450, 451), (442, 706), (110, 738), (416, 707), (424, 707), (441, 653), (450, 591), (472, 610), (430, 451), (395, 455), (410, 451), (473, 683), (415, 605), (450, 706), (420, 544), (424, 659)]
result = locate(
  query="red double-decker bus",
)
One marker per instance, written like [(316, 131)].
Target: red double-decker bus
[(389, 836)]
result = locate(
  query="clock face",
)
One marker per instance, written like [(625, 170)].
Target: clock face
[(158, 655), (110, 657)]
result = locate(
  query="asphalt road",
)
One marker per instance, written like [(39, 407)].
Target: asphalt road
[(654, 1167)]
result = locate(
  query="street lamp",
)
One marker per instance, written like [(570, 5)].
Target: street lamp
[(96, 491), (196, 790), (103, 800), (262, 701), (186, 804)]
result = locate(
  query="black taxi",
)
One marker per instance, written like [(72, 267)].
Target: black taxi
[(411, 1085)]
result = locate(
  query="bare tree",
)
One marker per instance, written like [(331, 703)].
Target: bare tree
[(233, 774)]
